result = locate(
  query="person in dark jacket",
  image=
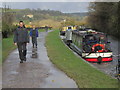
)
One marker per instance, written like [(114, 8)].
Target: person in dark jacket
[(34, 35), (21, 38)]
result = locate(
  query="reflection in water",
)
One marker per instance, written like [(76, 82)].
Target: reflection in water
[(34, 53)]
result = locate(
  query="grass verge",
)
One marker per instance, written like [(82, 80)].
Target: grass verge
[(42, 30), (7, 47), (84, 75)]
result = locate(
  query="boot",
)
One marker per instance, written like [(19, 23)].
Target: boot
[(21, 55), (33, 45), (24, 54), (21, 61)]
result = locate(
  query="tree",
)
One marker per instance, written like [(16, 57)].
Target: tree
[(7, 22), (103, 17)]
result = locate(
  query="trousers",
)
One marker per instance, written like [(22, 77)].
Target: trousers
[(22, 50), (34, 41)]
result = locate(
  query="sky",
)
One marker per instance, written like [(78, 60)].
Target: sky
[(65, 7)]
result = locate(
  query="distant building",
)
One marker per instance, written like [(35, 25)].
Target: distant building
[(30, 16)]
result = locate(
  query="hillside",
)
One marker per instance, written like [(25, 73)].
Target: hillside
[(39, 14), (45, 17), (38, 17), (81, 14)]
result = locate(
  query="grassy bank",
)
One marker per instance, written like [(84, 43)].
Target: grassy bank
[(7, 47), (42, 30), (84, 75)]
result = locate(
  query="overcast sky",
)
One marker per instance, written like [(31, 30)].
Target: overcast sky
[(66, 7)]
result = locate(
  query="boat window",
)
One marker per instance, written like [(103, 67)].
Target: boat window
[(89, 39), (102, 39)]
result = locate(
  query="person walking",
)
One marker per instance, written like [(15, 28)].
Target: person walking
[(46, 28), (34, 35), (21, 39)]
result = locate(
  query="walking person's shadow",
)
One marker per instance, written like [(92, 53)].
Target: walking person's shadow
[(34, 53)]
